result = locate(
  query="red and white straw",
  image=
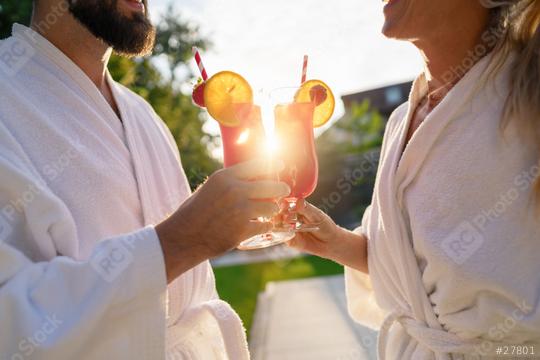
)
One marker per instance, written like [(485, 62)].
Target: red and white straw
[(199, 62), (304, 69)]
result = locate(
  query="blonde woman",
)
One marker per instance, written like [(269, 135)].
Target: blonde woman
[(451, 241)]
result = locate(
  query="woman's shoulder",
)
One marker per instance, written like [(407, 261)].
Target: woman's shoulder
[(397, 117), (391, 130)]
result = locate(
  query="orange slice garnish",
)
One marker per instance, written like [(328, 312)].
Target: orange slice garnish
[(318, 92), (221, 92)]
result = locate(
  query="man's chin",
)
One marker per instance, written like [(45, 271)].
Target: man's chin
[(141, 48), (131, 35), (136, 37)]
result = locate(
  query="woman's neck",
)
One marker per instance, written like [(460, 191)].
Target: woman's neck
[(448, 56)]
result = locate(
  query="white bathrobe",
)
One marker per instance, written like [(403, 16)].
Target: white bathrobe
[(81, 270), (453, 245)]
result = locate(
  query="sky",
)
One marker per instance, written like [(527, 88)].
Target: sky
[(265, 40)]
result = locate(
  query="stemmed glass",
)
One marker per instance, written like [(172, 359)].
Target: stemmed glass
[(246, 142), (295, 144)]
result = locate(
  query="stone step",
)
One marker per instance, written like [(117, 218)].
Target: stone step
[(308, 319)]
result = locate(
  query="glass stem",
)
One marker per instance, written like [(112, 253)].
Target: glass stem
[(292, 216)]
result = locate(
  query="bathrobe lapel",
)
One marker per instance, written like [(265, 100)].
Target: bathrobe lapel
[(395, 174), (398, 269), (161, 188)]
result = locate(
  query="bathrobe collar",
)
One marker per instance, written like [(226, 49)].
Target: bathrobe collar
[(463, 98), (130, 122)]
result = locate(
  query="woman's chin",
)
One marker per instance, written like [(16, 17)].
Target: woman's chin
[(396, 16), (392, 30)]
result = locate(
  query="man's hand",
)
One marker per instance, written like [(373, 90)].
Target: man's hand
[(217, 217)]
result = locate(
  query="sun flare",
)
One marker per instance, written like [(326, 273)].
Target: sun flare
[(272, 145), (243, 137)]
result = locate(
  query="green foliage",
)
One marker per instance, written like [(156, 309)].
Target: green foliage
[(239, 285), (366, 124), (174, 40), (14, 11)]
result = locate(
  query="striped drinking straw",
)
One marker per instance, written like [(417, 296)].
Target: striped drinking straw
[(304, 69), (199, 62)]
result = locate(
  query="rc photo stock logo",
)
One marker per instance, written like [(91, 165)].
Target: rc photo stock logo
[(14, 54), (462, 242), (29, 345), (112, 260)]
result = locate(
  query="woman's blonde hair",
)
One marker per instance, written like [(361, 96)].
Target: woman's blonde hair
[(518, 23)]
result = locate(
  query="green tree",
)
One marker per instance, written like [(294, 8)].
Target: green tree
[(367, 125), (13, 11), (175, 40), (175, 37)]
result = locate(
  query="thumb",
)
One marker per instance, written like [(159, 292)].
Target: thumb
[(311, 213)]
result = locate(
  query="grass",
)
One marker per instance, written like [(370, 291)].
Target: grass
[(239, 285)]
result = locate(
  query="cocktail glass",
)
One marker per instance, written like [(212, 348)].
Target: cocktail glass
[(293, 131), (246, 142)]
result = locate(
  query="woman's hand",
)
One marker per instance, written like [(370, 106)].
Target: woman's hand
[(330, 241)]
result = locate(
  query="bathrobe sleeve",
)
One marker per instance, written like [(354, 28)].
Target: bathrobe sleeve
[(361, 301), (54, 307)]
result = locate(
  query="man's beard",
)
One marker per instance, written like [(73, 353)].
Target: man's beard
[(128, 36)]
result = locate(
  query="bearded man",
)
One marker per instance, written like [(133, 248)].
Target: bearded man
[(103, 250)]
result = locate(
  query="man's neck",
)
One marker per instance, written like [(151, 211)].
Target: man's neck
[(446, 56), (76, 42)]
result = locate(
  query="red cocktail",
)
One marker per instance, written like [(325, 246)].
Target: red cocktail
[(245, 141), (295, 141), (294, 131), (228, 97)]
